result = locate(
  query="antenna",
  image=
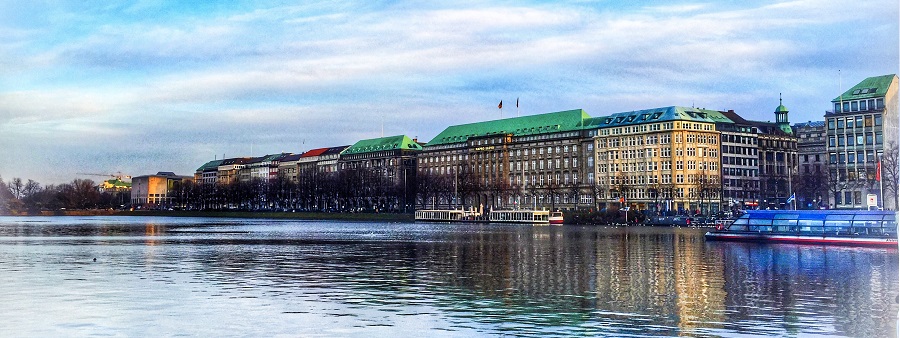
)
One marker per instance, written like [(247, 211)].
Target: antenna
[(841, 91)]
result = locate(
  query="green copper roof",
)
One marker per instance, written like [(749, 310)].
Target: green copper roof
[(117, 183), (210, 165), (381, 144), (518, 126), (664, 114), (872, 87)]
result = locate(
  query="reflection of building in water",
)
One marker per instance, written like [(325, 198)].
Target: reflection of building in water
[(654, 275), (701, 298), (859, 283)]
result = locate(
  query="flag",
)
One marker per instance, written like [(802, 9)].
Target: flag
[(878, 171), (790, 199), (500, 106), (517, 102)]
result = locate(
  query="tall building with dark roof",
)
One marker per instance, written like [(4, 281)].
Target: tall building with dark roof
[(812, 171), (740, 162), (863, 122)]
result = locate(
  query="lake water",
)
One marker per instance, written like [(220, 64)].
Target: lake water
[(157, 276)]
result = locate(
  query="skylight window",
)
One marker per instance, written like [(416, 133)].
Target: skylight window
[(656, 115), (858, 91), (631, 118)]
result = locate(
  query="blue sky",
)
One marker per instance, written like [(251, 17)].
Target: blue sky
[(145, 86)]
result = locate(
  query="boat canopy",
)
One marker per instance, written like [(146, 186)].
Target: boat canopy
[(818, 221)]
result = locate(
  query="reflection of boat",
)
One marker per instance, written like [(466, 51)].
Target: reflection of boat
[(848, 227), (556, 217)]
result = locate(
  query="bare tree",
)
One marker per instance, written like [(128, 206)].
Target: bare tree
[(15, 187), (890, 172)]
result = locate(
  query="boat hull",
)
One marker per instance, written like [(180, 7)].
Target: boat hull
[(801, 239)]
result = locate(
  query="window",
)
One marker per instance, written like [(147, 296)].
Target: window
[(854, 106), (831, 121), (831, 141), (859, 122), (859, 139), (877, 119)]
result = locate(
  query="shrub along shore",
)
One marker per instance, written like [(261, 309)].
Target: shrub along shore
[(233, 214)]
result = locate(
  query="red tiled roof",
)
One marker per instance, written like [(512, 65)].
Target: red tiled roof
[(314, 152)]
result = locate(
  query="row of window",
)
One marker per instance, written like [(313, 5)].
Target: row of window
[(852, 157), (655, 127), (858, 139), (731, 138), (855, 121), (615, 142), (859, 105)]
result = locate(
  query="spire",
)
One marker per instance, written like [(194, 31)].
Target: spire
[(781, 117)]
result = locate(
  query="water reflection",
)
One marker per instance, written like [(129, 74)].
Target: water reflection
[(378, 279)]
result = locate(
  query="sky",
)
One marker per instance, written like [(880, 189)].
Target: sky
[(137, 87)]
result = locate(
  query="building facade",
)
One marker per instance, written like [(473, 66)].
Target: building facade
[(380, 172), (531, 161), (663, 160), (740, 163), (862, 124), (812, 179), (153, 191)]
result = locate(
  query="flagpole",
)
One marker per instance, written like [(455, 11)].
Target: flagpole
[(880, 179)]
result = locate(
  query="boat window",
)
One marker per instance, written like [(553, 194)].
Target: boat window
[(873, 217), (740, 221), (756, 221), (787, 216), (844, 217), (785, 225), (807, 225), (837, 227)]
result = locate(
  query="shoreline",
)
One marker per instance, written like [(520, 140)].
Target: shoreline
[(231, 214)]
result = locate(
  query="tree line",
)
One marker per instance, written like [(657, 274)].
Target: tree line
[(28, 196)]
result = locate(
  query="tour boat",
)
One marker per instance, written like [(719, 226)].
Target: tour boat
[(556, 217), (844, 227), (446, 215), (524, 216), (519, 216)]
